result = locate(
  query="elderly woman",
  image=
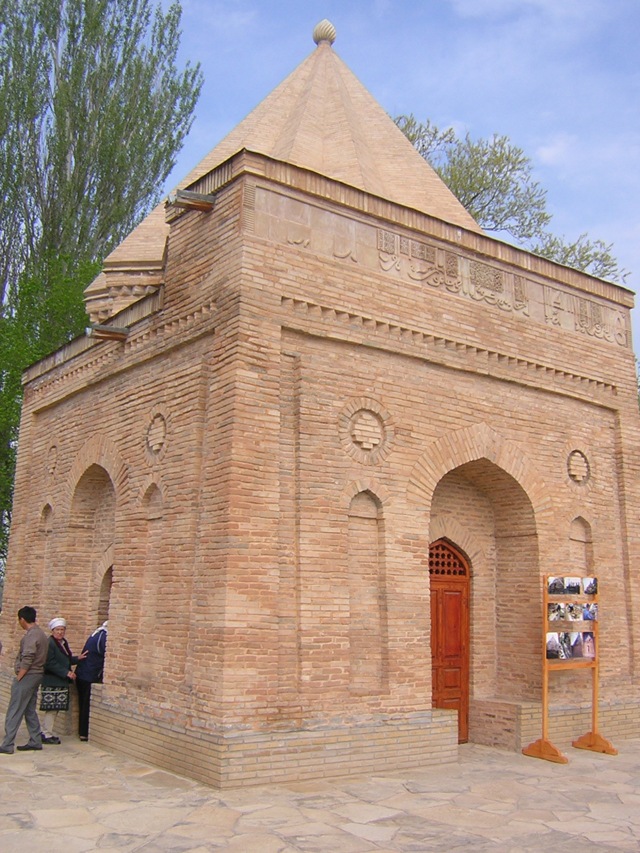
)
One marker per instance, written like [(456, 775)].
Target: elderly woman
[(54, 692)]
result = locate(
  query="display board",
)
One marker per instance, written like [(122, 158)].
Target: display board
[(571, 621)]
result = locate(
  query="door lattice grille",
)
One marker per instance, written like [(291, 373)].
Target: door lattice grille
[(444, 561)]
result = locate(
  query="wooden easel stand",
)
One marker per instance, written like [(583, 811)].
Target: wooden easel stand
[(593, 740)]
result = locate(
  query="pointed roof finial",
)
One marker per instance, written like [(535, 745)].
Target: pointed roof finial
[(324, 31)]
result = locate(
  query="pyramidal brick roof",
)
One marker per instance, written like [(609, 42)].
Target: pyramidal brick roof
[(323, 119)]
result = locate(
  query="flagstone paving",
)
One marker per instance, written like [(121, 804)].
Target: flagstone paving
[(76, 797)]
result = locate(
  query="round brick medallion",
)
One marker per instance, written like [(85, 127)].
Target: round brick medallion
[(156, 434), (366, 430), (578, 467)]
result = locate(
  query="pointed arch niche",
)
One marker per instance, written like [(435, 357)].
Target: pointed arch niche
[(367, 595), (154, 607), (42, 556), (581, 547), (90, 541)]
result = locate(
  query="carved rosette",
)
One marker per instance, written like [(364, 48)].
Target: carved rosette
[(366, 430)]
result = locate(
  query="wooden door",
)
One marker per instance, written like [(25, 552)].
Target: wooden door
[(449, 577)]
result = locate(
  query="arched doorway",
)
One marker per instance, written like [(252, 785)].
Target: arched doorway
[(449, 582)]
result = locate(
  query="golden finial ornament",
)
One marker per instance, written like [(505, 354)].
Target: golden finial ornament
[(324, 31)]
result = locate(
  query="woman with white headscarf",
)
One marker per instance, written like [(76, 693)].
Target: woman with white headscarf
[(54, 692)]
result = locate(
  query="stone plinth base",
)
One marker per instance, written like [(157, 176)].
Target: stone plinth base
[(253, 758), (514, 725)]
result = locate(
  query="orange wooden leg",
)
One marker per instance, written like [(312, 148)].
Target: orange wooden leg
[(596, 743), (543, 748)]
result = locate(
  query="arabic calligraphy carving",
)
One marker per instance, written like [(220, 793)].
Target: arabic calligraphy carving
[(520, 296), (589, 319)]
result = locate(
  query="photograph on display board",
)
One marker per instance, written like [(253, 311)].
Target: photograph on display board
[(590, 612), (590, 586), (573, 586), (556, 586), (555, 612), (576, 645), (588, 645), (583, 645), (573, 612), (559, 646)]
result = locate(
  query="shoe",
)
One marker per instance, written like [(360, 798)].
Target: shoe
[(26, 747), (5, 751), (83, 738), (52, 739)]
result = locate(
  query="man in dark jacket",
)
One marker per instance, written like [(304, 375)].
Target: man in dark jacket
[(89, 671), (29, 669)]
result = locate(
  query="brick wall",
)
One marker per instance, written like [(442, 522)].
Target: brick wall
[(262, 465)]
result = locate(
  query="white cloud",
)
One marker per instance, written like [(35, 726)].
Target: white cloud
[(550, 8), (559, 151), (223, 19), (381, 7)]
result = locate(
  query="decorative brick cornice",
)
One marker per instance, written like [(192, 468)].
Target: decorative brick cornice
[(60, 371), (462, 355), (452, 353)]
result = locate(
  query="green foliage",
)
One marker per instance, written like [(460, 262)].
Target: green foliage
[(593, 256), (493, 180), (93, 111), (44, 312), (431, 142)]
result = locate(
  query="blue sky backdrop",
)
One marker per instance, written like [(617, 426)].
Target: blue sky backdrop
[(561, 78)]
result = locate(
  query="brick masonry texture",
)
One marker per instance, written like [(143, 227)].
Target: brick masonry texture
[(324, 383)]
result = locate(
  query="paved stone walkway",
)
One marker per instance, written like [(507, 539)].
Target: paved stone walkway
[(76, 797)]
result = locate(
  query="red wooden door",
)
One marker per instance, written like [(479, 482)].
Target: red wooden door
[(449, 576)]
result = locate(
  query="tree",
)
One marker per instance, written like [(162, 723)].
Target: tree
[(93, 111), (493, 181)]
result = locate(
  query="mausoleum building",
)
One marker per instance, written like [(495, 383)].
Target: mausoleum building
[(320, 448)]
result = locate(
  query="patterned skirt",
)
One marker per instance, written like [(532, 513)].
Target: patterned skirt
[(54, 698)]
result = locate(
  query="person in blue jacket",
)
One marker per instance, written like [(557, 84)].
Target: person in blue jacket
[(89, 671)]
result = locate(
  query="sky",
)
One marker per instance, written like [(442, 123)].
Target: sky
[(560, 78)]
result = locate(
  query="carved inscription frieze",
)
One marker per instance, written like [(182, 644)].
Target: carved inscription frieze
[(427, 265), (345, 249), (586, 316), (486, 284), (438, 268), (592, 319), (554, 305), (520, 298)]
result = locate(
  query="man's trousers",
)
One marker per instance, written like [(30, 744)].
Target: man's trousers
[(23, 703)]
